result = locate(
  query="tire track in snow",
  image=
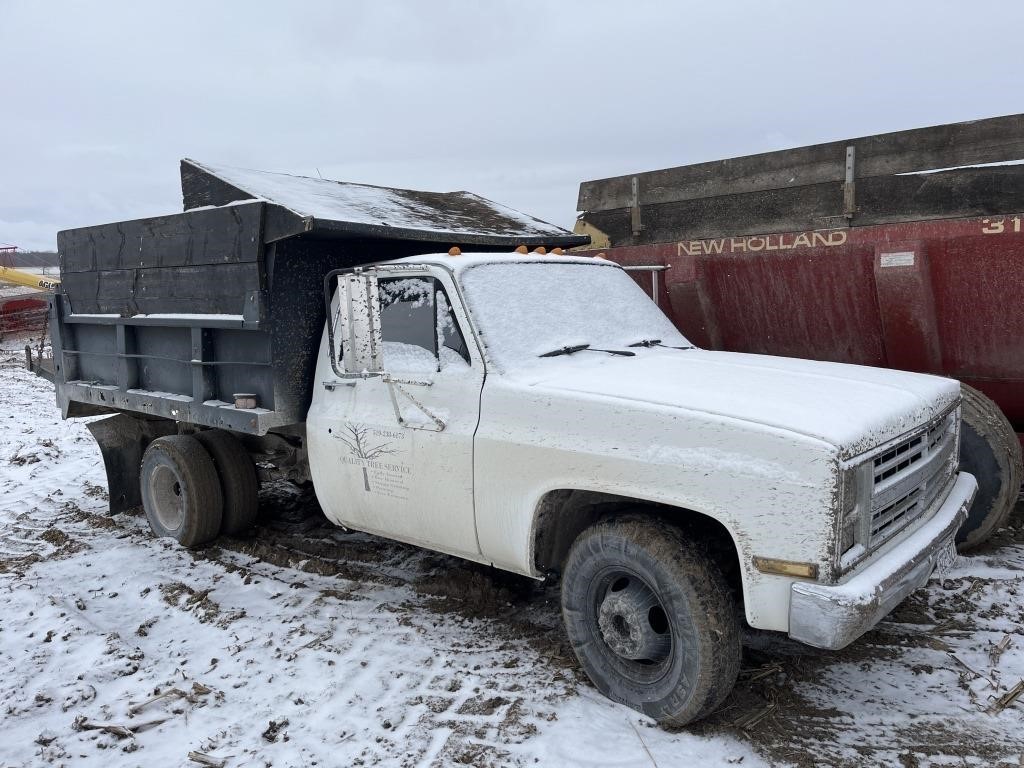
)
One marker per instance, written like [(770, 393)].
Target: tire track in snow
[(374, 653)]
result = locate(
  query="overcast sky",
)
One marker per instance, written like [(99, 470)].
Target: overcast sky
[(517, 101)]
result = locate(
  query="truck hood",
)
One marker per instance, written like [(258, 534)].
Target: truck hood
[(852, 407)]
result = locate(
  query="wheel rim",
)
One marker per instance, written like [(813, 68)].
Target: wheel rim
[(632, 623), (169, 502)]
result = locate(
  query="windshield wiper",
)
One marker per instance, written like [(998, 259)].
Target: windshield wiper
[(655, 343), (621, 352), (585, 348), (565, 350)]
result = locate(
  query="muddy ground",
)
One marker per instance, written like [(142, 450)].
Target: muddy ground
[(304, 644), (833, 726)]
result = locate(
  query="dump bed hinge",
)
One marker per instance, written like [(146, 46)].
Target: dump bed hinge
[(849, 187), (634, 209)]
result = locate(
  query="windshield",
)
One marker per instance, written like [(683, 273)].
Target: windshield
[(524, 310)]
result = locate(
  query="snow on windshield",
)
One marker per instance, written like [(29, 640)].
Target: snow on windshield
[(523, 310)]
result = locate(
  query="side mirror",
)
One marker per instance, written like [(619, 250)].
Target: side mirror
[(353, 323)]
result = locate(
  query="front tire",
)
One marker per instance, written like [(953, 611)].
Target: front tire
[(651, 619), (990, 451), (180, 490)]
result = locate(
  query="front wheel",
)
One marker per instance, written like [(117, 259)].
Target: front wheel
[(651, 619)]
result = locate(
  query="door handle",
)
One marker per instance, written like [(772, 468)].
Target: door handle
[(330, 386)]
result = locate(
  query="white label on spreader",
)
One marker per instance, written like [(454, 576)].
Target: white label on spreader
[(899, 259)]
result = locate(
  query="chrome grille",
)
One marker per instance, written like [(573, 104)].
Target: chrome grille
[(909, 476)]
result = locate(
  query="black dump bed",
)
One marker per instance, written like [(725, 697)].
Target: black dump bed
[(173, 316)]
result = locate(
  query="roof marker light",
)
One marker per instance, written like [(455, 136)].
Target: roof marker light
[(455, 251), (540, 249), (522, 249), (557, 251)]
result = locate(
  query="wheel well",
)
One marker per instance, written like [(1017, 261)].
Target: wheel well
[(563, 514)]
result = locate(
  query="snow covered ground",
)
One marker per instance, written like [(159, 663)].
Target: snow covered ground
[(304, 645)]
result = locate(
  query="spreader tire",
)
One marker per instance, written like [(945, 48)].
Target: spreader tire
[(651, 619), (990, 451), (238, 481), (180, 490)]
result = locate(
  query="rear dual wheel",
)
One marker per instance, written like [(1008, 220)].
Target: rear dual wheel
[(180, 490), (238, 482), (195, 487)]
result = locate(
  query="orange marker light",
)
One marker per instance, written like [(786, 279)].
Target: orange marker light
[(540, 249), (454, 251), (522, 249), (601, 256), (557, 251)]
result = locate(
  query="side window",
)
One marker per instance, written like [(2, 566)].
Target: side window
[(407, 324), (418, 326), (452, 350)]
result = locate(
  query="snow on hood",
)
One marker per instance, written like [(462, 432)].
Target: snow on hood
[(850, 406)]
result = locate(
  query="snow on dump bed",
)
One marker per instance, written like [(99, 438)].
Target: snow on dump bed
[(455, 212)]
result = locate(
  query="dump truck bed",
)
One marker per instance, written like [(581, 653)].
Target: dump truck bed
[(173, 316)]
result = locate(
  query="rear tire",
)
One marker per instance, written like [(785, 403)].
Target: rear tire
[(238, 481), (989, 450), (180, 490), (651, 619)]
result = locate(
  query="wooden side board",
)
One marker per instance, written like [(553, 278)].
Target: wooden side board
[(202, 289), (217, 236), (879, 200), (998, 139), (206, 262)]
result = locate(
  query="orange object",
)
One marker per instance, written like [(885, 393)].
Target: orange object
[(454, 251), (522, 249), (557, 251), (540, 249)]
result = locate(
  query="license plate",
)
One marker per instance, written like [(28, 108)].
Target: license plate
[(947, 556)]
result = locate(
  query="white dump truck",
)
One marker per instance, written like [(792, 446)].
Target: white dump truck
[(529, 411)]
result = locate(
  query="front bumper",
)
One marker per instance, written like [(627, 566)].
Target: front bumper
[(832, 617)]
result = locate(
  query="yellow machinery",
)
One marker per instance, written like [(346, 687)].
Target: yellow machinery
[(9, 274), (19, 277), (22, 318)]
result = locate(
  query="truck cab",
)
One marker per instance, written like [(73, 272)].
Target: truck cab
[(540, 414)]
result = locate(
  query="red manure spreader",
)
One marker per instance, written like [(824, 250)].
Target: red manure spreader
[(902, 250)]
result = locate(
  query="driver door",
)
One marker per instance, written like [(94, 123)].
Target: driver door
[(404, 441)]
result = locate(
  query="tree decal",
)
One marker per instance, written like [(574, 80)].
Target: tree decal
[(359, 445)]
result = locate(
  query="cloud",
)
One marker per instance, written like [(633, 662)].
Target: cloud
[(518, 101)]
